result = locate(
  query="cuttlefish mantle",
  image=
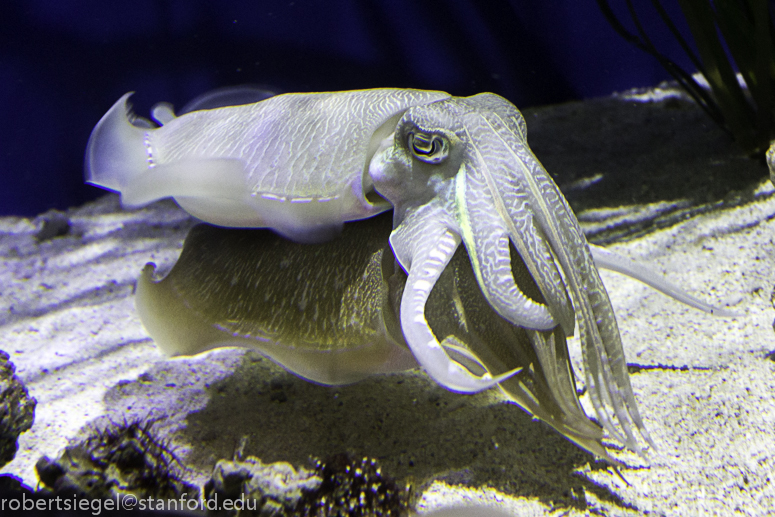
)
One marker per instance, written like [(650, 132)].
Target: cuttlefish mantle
[(296, 163)]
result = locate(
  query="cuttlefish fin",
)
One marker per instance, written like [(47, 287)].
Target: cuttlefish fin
[(119, 158), (116, 148), (217, 178)]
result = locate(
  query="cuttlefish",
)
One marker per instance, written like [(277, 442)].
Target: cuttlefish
[(335, 303)]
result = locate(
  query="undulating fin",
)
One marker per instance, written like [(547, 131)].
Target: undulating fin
[(228, 96), (116, 150), (219, 178)]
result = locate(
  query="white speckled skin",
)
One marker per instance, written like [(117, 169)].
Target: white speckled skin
[(296, 162)]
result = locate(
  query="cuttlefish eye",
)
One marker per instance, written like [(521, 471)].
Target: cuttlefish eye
[(428, 148)]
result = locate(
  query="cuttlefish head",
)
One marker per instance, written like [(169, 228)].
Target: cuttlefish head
[(460, 170)]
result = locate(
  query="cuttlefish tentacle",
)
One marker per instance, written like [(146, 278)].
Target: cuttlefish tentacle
[(607, 259)]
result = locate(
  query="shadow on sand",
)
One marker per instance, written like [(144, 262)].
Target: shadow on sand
[(419, 432)]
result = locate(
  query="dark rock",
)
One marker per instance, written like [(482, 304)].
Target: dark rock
[(356, 488), (119, 460), (52, 224), (10, 484), (17, 409)]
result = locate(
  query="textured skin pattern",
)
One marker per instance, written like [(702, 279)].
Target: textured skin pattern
[(293, 145)]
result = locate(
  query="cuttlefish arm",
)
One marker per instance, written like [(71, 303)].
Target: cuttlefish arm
[(435, 244), (295, 163), (475, 335), (463, 165)]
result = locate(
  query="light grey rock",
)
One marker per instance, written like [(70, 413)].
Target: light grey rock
[(274, 489)]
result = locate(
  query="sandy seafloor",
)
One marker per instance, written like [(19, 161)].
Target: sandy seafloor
[(654, 181)]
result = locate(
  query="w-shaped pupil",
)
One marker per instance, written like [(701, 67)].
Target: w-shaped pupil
[(428, 148)]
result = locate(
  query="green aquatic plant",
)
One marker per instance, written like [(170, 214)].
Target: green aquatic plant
[(734, 39)]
